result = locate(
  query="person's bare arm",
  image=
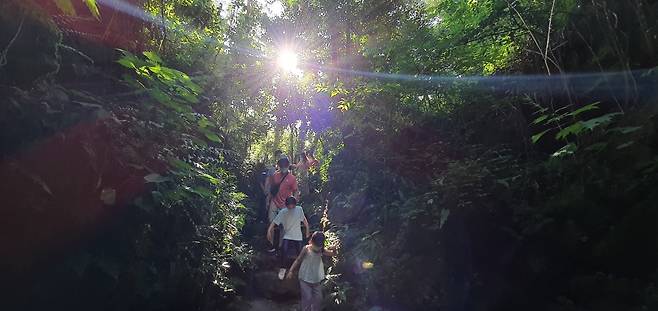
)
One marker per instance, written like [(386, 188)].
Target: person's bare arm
[(329, 251), (270, 232), (300, 165), (295, 192), (268, 184), (306, 227), (311, 160), (298, 261)]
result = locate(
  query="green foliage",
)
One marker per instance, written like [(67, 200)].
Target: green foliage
[(457, 197), (194, 33), (93, 8), (479, 35), (440, 196), (66, 6), (171, 88), (172, 235), (568, 126)]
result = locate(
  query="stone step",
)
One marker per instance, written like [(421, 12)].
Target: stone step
[(264, 305), (267, 284)]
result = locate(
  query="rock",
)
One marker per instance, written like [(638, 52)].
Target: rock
[(264, 305), (268, 284)]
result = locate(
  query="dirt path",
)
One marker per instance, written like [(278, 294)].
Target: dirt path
[(264, 290)]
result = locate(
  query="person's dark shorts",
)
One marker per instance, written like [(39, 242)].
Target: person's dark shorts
[(290, 249)]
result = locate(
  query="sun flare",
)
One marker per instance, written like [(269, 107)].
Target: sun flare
[(288, 61)]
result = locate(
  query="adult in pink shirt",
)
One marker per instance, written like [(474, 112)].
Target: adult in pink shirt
[(287, 187), (287, 184)]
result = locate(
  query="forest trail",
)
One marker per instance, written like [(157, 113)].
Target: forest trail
[(263, 290), (473, 155)]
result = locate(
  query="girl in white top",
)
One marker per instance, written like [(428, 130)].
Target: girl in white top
[(311, 271)]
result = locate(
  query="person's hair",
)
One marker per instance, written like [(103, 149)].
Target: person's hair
[(317, 239), (291, 200), (283, 162), (277, 153)]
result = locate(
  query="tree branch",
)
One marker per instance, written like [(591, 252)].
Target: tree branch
[(3, 55)]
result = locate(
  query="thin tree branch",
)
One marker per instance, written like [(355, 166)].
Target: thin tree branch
[(532, 36), (548, 36), (3, 55)]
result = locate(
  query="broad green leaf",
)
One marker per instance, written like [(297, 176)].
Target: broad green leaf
[(66, 7), (93, 8), (589, 107), (124, 52), (126, 62), (625, 145), (540, 109), (159, 95), (203, 122), (213, 137), (540, 119), (195, 88), (155, 69), (625, 130), (574, 129), (213, 180), (536, 137), (143, 71), (188, 97), (179, 164), (152, 56), (566, 150), (155, 178), (203, 192), (593, 123)]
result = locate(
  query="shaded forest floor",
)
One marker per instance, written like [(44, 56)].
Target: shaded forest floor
[(263, 290)]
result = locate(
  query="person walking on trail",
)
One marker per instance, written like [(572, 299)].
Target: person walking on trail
[(311, 271), (306, 161), (272, 169), (290, 219), (265, 175), (280, 186)]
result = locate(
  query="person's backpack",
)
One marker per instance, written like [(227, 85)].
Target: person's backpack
[(274, 189)]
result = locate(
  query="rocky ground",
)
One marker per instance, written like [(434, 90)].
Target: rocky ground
[(264, 289)]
